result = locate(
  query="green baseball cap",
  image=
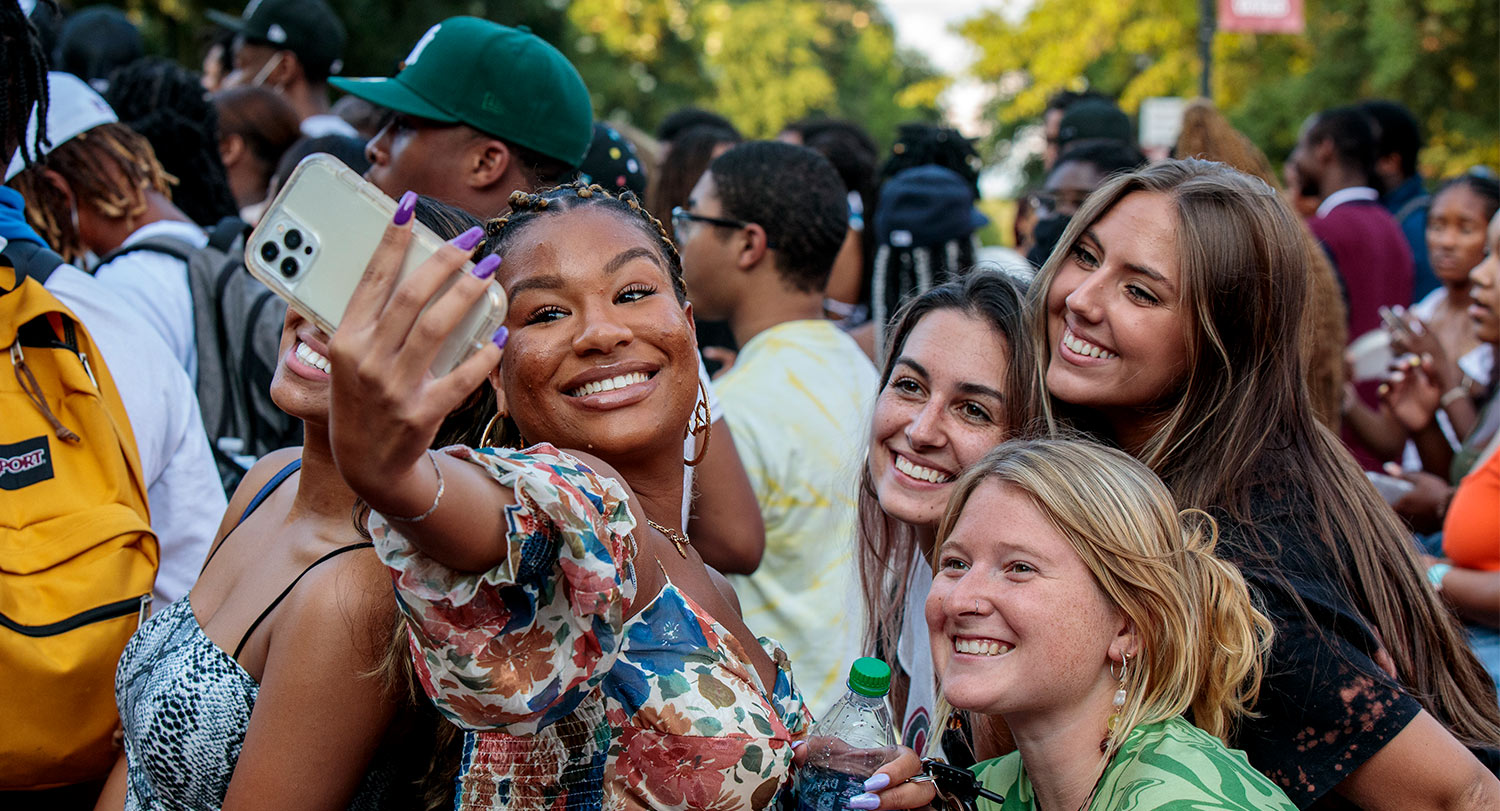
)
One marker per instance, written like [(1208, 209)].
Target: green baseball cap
[(506, 82), (307, 28)]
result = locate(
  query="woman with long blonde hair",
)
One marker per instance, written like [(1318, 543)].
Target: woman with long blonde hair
[(1076, 602)]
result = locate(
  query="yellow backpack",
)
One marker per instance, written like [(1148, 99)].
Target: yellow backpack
[(77, 554)]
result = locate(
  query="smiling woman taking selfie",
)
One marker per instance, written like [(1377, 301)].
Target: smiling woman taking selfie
[(1167, 323), (559, 614)]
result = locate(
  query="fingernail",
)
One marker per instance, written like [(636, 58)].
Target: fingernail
[(878, 782), (864, 802), (1392, 469), (501, 336), (468, 239), (798, 744), (405, 208), (486, 266)]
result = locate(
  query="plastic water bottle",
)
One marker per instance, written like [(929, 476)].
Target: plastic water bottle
[(850, 743)]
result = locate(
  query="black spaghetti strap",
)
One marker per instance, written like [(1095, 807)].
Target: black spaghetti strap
[(288, 590), (260, 496)]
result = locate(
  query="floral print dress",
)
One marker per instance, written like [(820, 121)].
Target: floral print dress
[(567, 704)]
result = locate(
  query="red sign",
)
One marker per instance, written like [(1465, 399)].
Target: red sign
[(1261, 16)]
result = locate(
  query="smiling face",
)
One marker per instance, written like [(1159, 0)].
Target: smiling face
[(1116, 319), (940, 411), (1456, 234), (300, 384), (601, 356), (1485, 290), (1017, 622)]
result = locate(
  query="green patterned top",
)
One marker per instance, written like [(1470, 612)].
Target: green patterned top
[(1171, 765)]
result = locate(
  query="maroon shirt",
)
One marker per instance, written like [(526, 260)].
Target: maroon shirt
[(1374, 262), (1372, 259)]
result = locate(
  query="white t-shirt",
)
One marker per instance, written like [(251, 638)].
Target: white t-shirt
[(182, 484), (316, 126), (155, 286), (798, 400), (690, 445)]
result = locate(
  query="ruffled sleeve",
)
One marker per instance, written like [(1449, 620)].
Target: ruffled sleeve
[(520, 645)]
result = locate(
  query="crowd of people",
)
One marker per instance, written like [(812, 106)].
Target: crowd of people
[(1191, 500)]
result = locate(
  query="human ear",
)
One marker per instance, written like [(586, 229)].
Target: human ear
[(1126, 641), (231, 149), (754, 246), (489, 158)]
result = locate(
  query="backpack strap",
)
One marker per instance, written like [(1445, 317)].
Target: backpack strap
[(222, 236), (1410, 207), (288, 590), (32, 260), (171, 246), (260, 497)]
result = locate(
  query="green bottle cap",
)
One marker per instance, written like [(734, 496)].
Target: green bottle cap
[(870, 677)]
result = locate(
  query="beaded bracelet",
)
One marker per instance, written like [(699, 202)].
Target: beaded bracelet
[(435, 499)]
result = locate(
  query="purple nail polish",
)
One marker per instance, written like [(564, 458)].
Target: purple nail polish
[(405, 208), (877, 782), (486, 266), (501, 336), (468, 239), (864, 802)]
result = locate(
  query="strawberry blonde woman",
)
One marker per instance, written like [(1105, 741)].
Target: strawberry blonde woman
[(1073, 600)]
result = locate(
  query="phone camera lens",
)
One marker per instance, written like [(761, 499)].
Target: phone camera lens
[(269, 251), (293, 239), (289, 267)]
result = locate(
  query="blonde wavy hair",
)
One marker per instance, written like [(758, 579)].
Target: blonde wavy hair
[(1201, 641)]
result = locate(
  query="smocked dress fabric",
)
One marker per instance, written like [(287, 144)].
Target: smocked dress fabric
[(565, 703)]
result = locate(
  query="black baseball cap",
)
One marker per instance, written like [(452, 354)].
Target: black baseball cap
[(307, 28), (1090, 119)]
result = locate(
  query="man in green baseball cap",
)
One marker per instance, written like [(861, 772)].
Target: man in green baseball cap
[(482, 110), (292, 47)]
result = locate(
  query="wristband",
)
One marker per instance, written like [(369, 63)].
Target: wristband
[(1453, 395), (435, 499), (1435, 574)]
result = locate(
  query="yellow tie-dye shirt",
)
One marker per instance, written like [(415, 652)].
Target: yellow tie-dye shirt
[(798, 400)]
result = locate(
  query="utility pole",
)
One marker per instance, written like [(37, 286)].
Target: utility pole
[(1206, 27)]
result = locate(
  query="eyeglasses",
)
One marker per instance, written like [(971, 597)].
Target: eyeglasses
[(681, 217)]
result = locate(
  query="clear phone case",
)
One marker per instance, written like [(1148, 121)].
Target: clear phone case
[(315, 239)]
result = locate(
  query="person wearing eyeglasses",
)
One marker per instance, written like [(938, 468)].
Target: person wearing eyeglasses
[(759, 236)]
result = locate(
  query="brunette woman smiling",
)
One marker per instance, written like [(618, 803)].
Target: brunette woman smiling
[(1167, 321), (558, 612)]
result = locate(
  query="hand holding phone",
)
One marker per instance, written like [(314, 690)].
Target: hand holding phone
[(316, 238), (386, 406)]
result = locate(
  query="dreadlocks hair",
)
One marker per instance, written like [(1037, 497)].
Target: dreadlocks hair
[(526, 207), (24, 63), (165, 102), (110, 167), (924, 144)]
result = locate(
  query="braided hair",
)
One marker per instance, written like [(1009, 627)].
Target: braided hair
[(527, 207), (166, 103), (25, 67), (109, 167)]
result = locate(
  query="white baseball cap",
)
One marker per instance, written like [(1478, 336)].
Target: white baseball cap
[(72, 108)]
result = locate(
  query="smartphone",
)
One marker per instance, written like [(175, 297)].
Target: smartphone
[(1395, 323), (314, 240)]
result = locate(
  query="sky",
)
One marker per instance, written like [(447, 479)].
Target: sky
[(924, 26)]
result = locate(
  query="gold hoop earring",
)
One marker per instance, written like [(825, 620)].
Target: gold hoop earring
[(489, 427), (700, 424)]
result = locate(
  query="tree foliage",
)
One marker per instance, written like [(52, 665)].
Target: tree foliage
[(1436, 56), (762, 63)]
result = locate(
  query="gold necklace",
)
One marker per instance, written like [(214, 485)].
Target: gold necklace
[(678, 539)]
